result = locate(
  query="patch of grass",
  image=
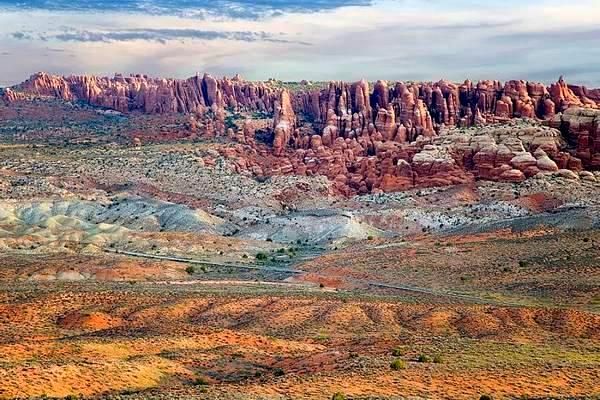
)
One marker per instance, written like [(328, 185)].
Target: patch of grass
[(424, 358), (338, 396), (398, 364), (507, 354), (398, 352)]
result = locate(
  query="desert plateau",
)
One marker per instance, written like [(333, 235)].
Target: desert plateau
[(221, 237)]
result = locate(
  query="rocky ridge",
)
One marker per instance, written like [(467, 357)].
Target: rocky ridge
[(198, 94), (388, 138)]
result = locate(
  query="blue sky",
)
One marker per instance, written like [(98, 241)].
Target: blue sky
[(315, 39)]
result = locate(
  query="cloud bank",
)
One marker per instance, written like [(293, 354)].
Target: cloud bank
[(157, 35)]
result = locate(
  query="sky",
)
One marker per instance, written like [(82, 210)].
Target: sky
[(304, 39)]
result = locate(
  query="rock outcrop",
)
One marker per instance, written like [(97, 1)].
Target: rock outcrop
[(420, 107), (581, 127), (367, 163), (10, 96), (153, 95), (392, 137), (284, 122)]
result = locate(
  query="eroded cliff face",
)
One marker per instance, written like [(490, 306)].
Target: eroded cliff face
[(388, 137), (581, 127), (153, 95)]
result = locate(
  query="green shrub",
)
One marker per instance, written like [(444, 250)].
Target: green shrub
[(190, 270), (278, 372), (200, 381), (397, 352), (423, 358), (261, 256), (370, 237), (398, 364), (338, 396), (437, 359), (486, 397)]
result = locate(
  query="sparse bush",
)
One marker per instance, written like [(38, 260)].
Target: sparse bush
[(438, 359), (338, 396), (200, 381), (278, 372), (245, 256), (370, 237), (486, 397), (261, 256), (423, 358), (190, 270), (523, 264), (398, 364), (397, 352)]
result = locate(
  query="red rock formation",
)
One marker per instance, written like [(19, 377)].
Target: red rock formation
[(420, 107), (562, 96), (364, 141), (10, 96), (582, 128), (284, 122), (153, 95)]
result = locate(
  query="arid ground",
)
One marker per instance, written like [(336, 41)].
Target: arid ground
[(160, 271)]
